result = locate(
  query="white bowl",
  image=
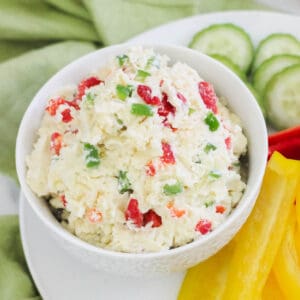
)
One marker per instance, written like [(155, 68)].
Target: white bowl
[(240, 101)]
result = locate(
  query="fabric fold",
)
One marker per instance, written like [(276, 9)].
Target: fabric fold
[(35, 20), (20, 79), (121, 19), (73, 7), (15, 281)]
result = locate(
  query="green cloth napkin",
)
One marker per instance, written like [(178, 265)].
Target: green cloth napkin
[(39, 37), (15, 283)]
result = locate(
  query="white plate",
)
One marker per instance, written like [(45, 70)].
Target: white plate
[(59, 276), (9, 192)]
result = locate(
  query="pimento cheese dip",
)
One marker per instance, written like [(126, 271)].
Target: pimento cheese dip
[(141, 156)]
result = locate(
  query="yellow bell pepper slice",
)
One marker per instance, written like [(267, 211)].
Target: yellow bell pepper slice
[(297, 232), (297, 241), (243, 272), (287, 265), (259, 239), (272, 290), (207, 279)]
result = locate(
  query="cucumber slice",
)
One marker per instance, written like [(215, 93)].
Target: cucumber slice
[(232, 66), (228, 40), (228, 63), (275, 44), (282, 98), (270, 67)]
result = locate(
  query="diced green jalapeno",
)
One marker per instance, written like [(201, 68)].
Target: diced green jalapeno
[(214, 174), (122, 59), (119, 121), (211, 121), (209, 147), (124, 183), (90, 98), (124, 91), (141, 75), (191, 111), (172, 189), (152, 61), (141, 110), (209, 203), (92, 158)]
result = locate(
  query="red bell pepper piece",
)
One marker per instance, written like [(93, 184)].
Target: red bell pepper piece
[(208, 95), (152, 216), (168, 155), (287, 142), (133, 213), (85, 84)]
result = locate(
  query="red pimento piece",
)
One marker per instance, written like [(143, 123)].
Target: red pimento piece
[(55, 103), (175, 212), (152, 216), (228, 142), (133, 213), (168, 155), (155, 101), (55, 143), (145, 93), (208, 95), (203, 226), (66, 115), (181, 97), (63, 200), (150, 169), (73, 104), (220, 209), (166, 107), (161, 83), (85, 84), (94, 215), (169, 125)]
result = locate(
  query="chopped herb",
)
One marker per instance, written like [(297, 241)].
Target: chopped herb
[(141, 110), (211, 121), (236, 164), (124, 183), (92, 158), (119, 121), (191, 111), (122, 59), (209, 147), (124, 91), (141, 75), (214, 174), (153, 61), (209, 203), (90, 98), (172, 189), (198, 160)]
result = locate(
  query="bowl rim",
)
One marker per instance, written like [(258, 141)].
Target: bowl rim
[(74, 240)]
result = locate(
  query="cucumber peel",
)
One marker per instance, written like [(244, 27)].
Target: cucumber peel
[(282, 98), (270, 67), (230, 64), (228, 40), (275, 44)]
